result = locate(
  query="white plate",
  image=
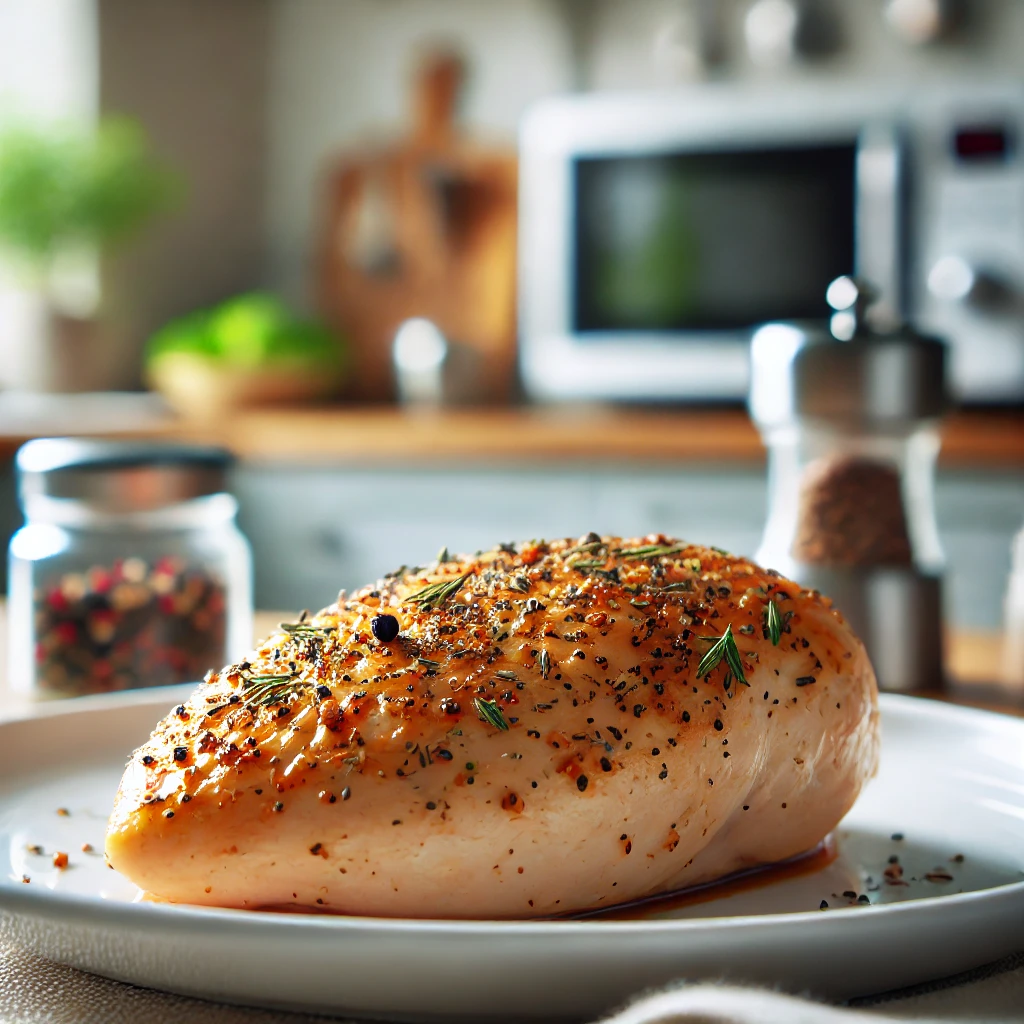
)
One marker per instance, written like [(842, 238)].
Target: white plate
[(951, 782)]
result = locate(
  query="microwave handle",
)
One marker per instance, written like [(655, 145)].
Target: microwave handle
[(878, 222)]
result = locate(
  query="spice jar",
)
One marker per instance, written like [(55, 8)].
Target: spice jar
[(129, 571), (850, 419)]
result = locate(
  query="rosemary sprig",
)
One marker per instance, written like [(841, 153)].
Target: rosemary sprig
[(586, 563), (306, 628), (266, 690), (436, 594), (590, 546), (724, 647), (652, 550), (490, 713), (774, 622)]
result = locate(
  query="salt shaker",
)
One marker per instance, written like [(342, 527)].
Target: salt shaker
[(850, 417), (129, 570)]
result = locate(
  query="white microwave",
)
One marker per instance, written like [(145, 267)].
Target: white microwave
[(657, 229)]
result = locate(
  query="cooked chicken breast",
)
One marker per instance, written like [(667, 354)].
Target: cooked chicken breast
[(541, 729)]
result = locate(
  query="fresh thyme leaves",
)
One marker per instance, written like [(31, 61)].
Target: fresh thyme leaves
[(774, 622), (437, 593), (490, 713), (545, 664), (397, 572), (652, 550), (723, 647), (428, 662), (685, 585)]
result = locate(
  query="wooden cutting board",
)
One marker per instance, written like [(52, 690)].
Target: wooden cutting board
[(424, 227)]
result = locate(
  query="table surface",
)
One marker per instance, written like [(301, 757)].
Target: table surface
[(973, 659)]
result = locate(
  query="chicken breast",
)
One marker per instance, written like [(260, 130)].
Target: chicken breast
[(541, 729)]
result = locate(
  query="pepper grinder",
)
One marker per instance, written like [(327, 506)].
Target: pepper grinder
[(849, 413)]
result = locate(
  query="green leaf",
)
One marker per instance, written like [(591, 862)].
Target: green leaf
[(723, 648), (490, 713), (773, 622), (437, 593)]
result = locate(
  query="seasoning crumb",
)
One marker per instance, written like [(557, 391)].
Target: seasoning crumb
[(346, 793), (849, 894), (863, 899), (938, 875), (26, 879), (63, 812), (897, 837), (60, 860), (87, 848), (957, 858), (823, 905), (34, 848)]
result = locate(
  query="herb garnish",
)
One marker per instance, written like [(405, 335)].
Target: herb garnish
[(724, 646), (437, 593), (305, 627), (267, 690), (586, 563), (490, 713), (774, 622), (442, 555), (545, 664), (652, 550)]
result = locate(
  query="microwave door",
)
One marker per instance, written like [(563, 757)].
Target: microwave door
[(675, 256)]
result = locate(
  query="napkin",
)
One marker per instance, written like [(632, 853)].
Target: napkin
[(35, 991)]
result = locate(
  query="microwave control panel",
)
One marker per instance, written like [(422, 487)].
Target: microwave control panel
[(967, 260)]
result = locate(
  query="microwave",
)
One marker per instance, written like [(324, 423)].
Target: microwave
[(656, 230)]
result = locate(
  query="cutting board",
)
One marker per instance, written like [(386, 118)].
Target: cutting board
[(423, 227)]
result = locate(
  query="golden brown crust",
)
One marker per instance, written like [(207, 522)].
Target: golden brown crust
[(511, 628)]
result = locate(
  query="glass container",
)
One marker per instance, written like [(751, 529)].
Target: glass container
[(130, 570), (850, 419)]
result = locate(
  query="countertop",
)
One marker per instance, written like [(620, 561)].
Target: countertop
[(391, 436)]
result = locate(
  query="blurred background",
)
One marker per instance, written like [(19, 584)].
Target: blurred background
[(452, 272)]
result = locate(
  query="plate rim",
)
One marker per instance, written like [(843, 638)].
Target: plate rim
[(33, 901)]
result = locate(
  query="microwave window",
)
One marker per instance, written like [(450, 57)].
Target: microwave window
[(711, 241)]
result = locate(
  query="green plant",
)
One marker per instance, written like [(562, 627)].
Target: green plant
[(248, 331), (60, 189)]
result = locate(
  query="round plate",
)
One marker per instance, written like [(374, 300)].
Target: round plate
[(948, 803)]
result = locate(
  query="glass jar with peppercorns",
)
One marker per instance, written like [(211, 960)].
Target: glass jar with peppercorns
[(849, 410), (130, 570)]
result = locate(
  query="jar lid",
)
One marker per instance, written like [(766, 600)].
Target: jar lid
[(119, 476), (844, 370)]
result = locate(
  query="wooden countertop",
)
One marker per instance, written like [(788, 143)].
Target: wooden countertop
[(388, 436)]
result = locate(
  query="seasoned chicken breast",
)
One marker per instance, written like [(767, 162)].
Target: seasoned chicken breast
[(541, 729)]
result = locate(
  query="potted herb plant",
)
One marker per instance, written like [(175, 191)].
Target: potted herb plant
[(66, 199)]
